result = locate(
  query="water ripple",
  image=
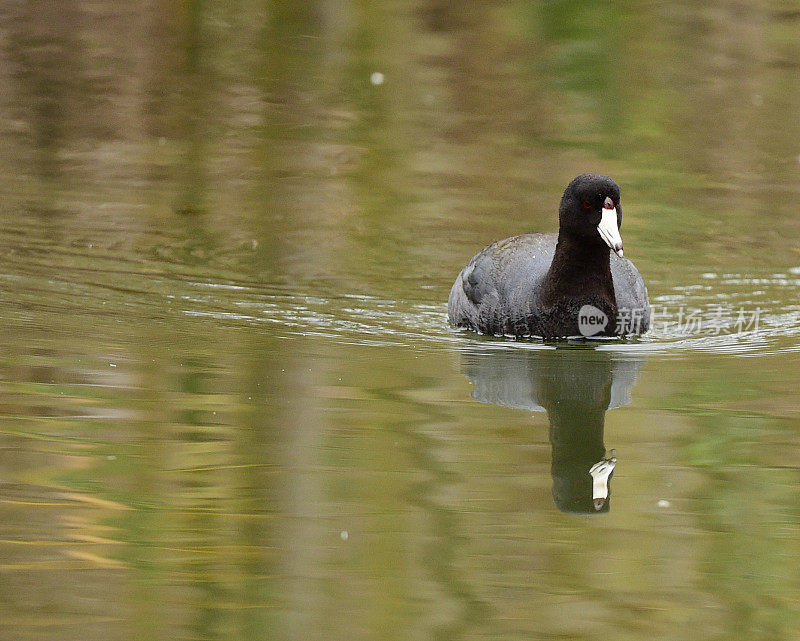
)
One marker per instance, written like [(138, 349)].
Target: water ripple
[(726, 314)]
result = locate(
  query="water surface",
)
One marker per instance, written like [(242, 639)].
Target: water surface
[(230, 403)]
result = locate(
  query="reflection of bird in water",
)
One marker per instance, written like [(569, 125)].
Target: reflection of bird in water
[(575, 385)]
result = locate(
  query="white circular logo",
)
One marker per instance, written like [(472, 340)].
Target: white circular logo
[(591, 320)]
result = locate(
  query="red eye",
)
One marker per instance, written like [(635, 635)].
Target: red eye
[(587, 204)]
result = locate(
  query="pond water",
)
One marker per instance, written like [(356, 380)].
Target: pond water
[(230, 403)]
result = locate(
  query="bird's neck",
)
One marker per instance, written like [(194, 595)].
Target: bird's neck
[(580, 269)]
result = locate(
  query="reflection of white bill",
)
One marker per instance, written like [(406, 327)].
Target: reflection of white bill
[(591, 320), (600, 472)]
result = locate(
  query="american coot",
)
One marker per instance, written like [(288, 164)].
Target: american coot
[(552, 286)]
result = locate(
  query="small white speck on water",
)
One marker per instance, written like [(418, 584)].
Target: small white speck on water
[(376, 78), (663, 503), (344, 535), (112, 364)]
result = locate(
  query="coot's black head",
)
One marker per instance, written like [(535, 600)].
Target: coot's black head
[(590, 209)]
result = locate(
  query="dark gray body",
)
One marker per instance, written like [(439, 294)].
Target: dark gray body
[(498, 292)]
